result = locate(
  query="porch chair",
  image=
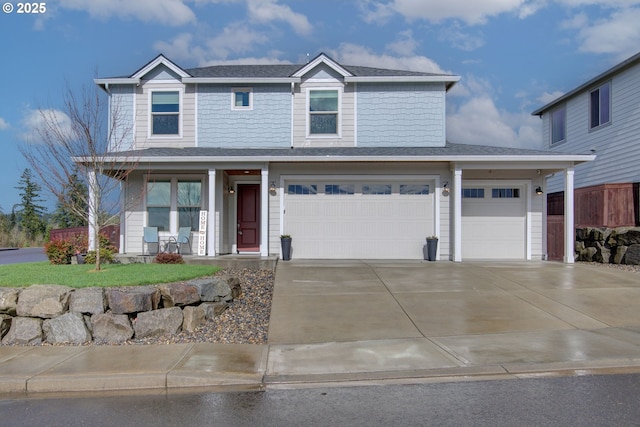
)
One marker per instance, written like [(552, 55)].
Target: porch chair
[(184, 238), (150, 237)]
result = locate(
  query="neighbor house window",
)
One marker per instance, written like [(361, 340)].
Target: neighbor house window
[(159, 204), (323, 112), (189, 204), (600, 106), (558, 125), (241, 98), (165, 113)]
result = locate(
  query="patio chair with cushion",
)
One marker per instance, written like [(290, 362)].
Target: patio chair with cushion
[(150, 237), (184, 238)]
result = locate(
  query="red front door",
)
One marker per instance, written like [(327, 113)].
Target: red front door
[(248, 237)]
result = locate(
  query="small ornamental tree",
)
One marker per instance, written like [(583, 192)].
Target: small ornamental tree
[(86, 144)]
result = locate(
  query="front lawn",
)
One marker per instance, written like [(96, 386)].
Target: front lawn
[(82, 276)]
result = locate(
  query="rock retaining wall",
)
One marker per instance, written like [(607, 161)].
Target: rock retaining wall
[(60, 314), (608, 245)]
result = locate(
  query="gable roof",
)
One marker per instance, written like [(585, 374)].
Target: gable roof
[(279, 73), (630, 62)]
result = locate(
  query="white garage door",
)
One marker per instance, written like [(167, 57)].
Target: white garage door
[(493, 222), (365, 220)]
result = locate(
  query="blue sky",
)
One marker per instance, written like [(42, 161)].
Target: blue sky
[(512, 55)]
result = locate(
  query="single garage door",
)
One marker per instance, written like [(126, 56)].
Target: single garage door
[(493, 221), (362, 220)]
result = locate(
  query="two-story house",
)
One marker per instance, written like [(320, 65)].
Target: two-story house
[(601, 116), (351, 161)]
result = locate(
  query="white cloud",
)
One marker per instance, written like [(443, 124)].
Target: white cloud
[(352, 54), (3, 124), (265, 11), (169, 12), (461, 39), (180, 49), (405, 45), (479, 122), (618, 34), (471, 12), (547, 97), (235, 39), (374, 12), (36, 121)]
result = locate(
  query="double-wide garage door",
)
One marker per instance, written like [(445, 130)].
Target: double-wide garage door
[(357, 219)]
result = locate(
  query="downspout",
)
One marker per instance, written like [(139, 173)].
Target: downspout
[(293, 92)]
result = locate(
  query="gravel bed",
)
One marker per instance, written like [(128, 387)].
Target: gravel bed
[(624, 267), (246, 321)]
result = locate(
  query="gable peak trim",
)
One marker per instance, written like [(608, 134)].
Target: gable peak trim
[(322, 58), (160, 60)]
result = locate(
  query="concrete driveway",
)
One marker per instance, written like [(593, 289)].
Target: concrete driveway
[(358, 318)]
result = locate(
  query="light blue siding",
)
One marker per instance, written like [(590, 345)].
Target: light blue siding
[(121, 117), (267, 124), (616, 145), (401, 114)]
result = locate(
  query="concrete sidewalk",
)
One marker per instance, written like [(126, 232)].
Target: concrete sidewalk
[(374, 321)]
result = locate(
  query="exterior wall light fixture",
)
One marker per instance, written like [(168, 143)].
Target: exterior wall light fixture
[(539, 191)]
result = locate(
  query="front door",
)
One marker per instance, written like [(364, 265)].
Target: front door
[(248, 228)]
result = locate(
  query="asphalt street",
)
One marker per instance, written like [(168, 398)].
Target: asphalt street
[(610, 400), (15, 256)]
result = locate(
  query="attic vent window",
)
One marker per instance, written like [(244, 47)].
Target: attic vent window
[(165, 113)]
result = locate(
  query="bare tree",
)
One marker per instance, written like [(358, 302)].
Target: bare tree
[(90, 139)]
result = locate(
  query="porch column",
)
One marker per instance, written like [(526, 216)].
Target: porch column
[(569, 240), (264, 211), (211, 223), (456, 194), (93, 209)]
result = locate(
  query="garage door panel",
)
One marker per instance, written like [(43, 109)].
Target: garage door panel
[(359, 225), (493, 228)]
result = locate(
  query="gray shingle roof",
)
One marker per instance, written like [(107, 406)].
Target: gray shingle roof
[(385, 153)]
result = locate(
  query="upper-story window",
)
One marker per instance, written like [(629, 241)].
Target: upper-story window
[(600, 106), (165, 113), (241, 98), (558, 125), (324, 112)]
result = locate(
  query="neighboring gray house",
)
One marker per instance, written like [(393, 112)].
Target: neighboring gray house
[(352, 162), (601, 116)]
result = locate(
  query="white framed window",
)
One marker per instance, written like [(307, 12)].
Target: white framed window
[(505, 193), (165, 107), (323, 112), (558, 125), (174, 202), (600, 106), (241, 98), (159, 204)]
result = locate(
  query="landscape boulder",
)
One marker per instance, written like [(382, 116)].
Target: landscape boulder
[(24, 331), (133, 300), (68, 328), (87, 300), (213, 289), (44, 301), (5, 324), (9, 300), (165, 321), (111, 328), (193, 317), (213, 309), (179, 294)]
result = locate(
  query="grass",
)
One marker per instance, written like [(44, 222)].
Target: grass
[(83, 276)]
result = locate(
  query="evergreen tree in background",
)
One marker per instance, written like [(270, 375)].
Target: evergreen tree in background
[(30, 214), (71, 201)]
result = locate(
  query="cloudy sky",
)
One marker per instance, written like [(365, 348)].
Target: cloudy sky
[(513, 56)]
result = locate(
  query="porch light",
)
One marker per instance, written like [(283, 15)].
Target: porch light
[(445, 189), (539, 191), (231, 190), (272, 188)]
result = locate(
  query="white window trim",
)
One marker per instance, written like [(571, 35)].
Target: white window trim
[(233, 98), (338, 134), (150, 134), (173, 207), (600, 125), (561, 141)]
